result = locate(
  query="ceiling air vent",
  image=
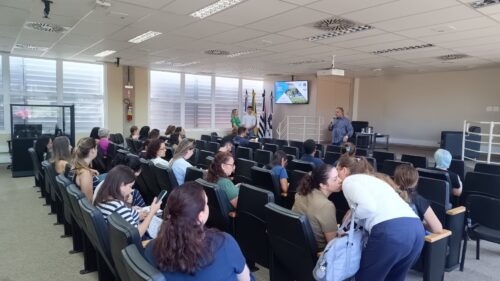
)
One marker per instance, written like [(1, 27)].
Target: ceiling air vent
[(30, 47), (452, 57), (402, 49), (337, 27), (306, 62), (217, 52), (483, 3), (45, 27)]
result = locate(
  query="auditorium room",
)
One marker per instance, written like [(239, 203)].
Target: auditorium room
[(264, 140)]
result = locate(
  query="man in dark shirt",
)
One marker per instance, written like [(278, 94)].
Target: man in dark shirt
[(309, 151), (241, 139)]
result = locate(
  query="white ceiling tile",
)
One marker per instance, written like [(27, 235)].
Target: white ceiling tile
[(186, 7), (107, 45), (295, 17), (338, 7), (389, 45), (77, 40), (94, 30), (9, 31), (302, 32), (6, 43), (266, 41), (47, 38), (163, 22), (251, 11), (488, 31), (12, 16), (449, 27), (290, 46), (314, 50), (119, 13), (24, 52), (351, 36), (19, 4), (236, 35), (467, 42), (300, 2), (451, 14), (68, 8), (153, 4), (490, 10), (63, 51), (496, 16), (371, 40), (202, 29), (397, 9)]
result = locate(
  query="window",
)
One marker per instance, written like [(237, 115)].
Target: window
[(164, 102), (83, 86), (33, 81), (198, 95), (226, 99)]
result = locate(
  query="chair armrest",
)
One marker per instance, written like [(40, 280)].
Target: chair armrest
[(145, 243), (456, 211), (232, 214), (431, 238)]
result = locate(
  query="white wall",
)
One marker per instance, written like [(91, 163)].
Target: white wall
[(414, 109)]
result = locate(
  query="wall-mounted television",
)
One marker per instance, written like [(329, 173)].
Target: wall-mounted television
[(291, 92)]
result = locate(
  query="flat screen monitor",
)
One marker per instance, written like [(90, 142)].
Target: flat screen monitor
[(291, 92), (27, 130)]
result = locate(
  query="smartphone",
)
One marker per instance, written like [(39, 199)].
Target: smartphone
[(161, 196)]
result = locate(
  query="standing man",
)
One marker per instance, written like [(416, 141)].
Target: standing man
[(249, 121), (340, 127)]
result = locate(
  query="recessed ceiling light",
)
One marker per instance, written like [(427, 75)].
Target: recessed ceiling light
[(452, 57), (31, 47), (215, 8), (242, 53), (105, 53), (401, 49), (145, 36), (377, 69)]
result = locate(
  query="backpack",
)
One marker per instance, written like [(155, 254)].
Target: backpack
[(342, 255)]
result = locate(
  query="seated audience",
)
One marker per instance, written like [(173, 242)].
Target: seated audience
[(178, 162), (309, 151), (242, 138), (61, 154), (82, 174), (279, 171), (94, 133), (169, 131), (144, 133), (226, 144), (443, 162), (142, 153), (348, 148), (312, 200), (219, 171), (154, 134), (156, 151), (187, 250), (406, 178), (115, 196), (134, 133), (103, 141), (43, 147), (178, 135)]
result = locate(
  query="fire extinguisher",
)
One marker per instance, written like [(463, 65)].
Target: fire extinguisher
[(130, 108)]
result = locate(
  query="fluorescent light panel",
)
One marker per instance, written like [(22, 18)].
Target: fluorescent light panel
[(215, 8), (401, 49), (145, 36), (105, 53), (242, 53)]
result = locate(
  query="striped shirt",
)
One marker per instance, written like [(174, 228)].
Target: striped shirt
[(116, 206)]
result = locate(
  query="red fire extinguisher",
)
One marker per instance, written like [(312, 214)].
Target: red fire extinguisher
[(130, 108)]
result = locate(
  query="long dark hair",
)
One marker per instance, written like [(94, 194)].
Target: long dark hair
[(183, 244), (170, 130), (41, 146), (94, 133), (319, 174), (215, 170), (110, 188), (154, 134), (60, 149), (152, 148), (355, 165), (144, 132)]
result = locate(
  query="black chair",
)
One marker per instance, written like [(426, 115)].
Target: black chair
[(49, 194), (381, 156), (37, 168), (212, 146), (166, 180), (254, 145), (242, 172), (130, 145), (97, 231), (250, 223), (200, 144), (417, 161), (333, 148), (55, 195), (438, 193), (193, 173), (193, 160), (202, 156), (217, 204), (270, 147), (262, 157), (487, 168), (206, 138), (149, 177), (293, 247), (320, 149), (169, 153), (244, 152), (482, 184), (292, 150), (331, 157), (300, 146), (458, 167), (482, 212), (138, 268), (69, 217), (372, 162), (121, 234), (294, 178), (300, 165), (266, 140), (280, 143), (390, 166), (111, 154), (361, 152), (264, 179)]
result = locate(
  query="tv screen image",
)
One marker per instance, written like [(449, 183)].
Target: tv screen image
[(291, 92)]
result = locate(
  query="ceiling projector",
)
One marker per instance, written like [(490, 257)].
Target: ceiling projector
[(331, 71)]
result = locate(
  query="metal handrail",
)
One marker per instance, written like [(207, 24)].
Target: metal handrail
[(486, 139), (301, 128)]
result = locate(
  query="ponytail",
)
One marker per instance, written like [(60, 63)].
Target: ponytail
[(319, 175)]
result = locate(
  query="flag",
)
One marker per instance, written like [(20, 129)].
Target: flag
[(263, 118), (254, 108), (246, 101), (270, 117)]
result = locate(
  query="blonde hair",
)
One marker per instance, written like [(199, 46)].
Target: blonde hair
[(182, 149), (82, 150), (406, 177)]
